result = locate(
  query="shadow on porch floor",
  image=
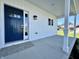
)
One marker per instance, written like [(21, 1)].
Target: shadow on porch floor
[(46, 48)]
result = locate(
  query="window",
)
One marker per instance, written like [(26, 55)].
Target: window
[(50, 21)]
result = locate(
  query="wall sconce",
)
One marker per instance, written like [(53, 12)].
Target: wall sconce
[(35, 17)]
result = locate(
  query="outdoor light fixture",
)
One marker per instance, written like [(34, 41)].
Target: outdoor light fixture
[(35, 17)]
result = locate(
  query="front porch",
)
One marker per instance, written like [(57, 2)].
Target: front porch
[(46, 48)]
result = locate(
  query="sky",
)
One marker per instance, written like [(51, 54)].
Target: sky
[(71, 20)]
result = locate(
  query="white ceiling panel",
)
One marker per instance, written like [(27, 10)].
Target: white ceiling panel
[(55, 7)]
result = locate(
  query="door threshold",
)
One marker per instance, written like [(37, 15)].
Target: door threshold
[(15, 43)]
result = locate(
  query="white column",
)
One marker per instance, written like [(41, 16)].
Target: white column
[(67, 11)]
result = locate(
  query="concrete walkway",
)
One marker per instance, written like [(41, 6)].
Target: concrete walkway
[(46, 48)]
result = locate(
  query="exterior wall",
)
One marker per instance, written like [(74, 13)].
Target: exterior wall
[(41, 25)]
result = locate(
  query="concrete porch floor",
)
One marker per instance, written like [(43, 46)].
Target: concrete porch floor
[(46, 48)]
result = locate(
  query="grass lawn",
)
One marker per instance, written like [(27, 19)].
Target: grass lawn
[(70, 34)]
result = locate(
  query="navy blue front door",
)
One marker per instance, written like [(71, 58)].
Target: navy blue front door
[(13, 24)]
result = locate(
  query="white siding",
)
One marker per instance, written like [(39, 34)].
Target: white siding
[(41, 25)]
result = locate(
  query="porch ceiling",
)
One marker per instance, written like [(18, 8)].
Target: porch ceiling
[(56, 7), (77, 5)]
